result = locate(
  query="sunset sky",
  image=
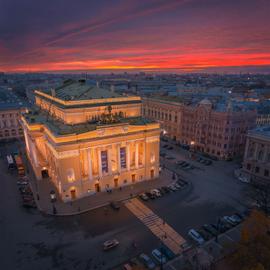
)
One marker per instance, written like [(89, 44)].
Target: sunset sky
[(186, 35)]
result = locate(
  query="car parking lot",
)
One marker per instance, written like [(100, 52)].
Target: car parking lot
[(204, 233), (153, 194)]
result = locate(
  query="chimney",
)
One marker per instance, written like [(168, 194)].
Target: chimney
[(97, 84)]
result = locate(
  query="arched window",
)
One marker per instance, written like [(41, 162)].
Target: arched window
[(260, 155)]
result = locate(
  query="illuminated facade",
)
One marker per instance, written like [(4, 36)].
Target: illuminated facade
[(218, 131), (88, 139)]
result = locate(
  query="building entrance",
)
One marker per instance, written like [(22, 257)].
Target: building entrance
[(152, 173), (115, 182), (73, 194), (44, 173), (133, 178), (97, 187)]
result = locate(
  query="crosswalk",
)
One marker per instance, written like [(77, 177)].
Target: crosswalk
[(156, 225)]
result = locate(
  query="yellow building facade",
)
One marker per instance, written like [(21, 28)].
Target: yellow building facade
[(88, 139)]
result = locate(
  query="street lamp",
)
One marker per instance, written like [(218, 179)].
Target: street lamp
[(164, 236), (53, 200), (53, 196)]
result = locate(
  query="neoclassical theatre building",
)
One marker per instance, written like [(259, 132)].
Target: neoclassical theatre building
[(86, 139)]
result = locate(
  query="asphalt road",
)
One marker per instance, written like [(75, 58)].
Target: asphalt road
[(33, 241)]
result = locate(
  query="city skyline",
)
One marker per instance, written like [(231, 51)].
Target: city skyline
[(183, 36)]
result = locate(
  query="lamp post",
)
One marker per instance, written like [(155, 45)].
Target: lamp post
[(218, 228), (53, 199), (161, 250)]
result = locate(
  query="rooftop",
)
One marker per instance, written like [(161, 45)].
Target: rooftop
[(8, 100), (80, 90), (263, 132), (58, 127)]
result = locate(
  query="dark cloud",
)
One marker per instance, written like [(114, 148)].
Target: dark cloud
[(127, 33)]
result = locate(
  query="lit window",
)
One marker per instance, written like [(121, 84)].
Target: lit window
[(70, 175), (152, 158)]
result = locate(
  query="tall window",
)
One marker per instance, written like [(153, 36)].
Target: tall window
[(123, 158), (104, 161), (70, 175)]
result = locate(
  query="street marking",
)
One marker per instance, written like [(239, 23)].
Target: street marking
[(156, 225)]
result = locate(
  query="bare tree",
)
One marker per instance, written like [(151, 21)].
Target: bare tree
[(260, 194)]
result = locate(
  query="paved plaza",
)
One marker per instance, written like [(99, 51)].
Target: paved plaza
[(33, 240)]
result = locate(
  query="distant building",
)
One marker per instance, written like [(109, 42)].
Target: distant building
[(11, 108), (87, 139), (263, 117), (256, 164), (216, 130)]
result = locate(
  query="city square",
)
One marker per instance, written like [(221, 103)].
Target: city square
[(75, 242)]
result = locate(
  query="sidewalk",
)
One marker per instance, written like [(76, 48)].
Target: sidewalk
[(44, 204)]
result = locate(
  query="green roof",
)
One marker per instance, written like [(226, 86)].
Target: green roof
[(80, 90)]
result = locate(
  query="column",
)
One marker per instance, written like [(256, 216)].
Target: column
[(109, 160), (118, 158), (144, 154), (99, 163), (90, 172), (265, 152), (255, 151), (246, 149), (136, 155), (128, 156)]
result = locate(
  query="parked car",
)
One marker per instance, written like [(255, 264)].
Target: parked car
[(240, 216), (205, 235), (165, 189), (147, 261), (235, 220), (172, 188), (25, 190), (150, 195), (185, 165), (210, 229), (161, 259), (188, 167), (162, 192), (156, 192), (22, 183), (180, 162), (222, 227), (115, 205), (196, 236), (144, 197), (208, 162), (181, 184), (230, 220), (167, 252), (29, 204), (178, 186), (109, 244), (186, 246), (185, 146)]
